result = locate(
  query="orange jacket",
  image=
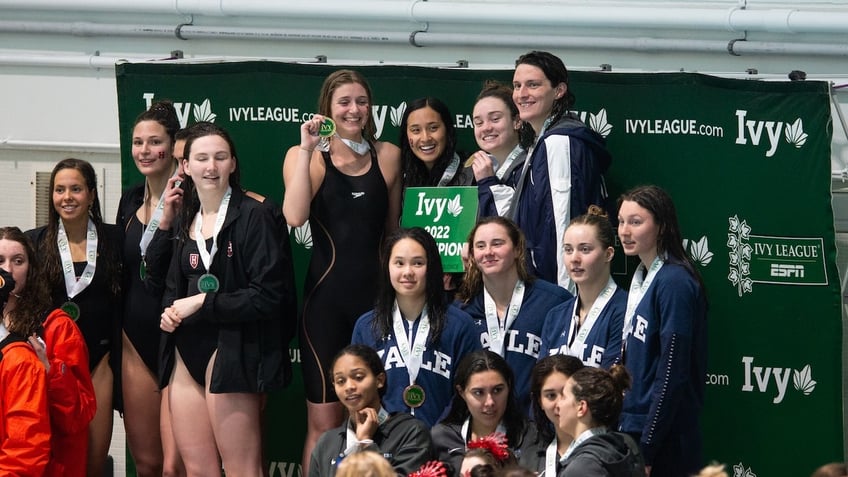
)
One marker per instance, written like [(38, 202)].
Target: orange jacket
[(24, 422), (70, 396)]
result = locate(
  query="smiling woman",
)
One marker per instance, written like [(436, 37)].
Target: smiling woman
[(81, 263)]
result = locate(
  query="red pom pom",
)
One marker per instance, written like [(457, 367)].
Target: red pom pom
[(433, 468), (495, 443)]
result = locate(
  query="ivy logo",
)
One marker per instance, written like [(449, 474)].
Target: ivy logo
[(598, 123), (755, 131), (739, 470), (699, 251), (397, 114), (303, 235), (200, 112), (203, 112), (760, 378), (427, 206)]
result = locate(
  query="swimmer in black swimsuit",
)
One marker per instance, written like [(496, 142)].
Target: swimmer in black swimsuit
[(350, 194), (154, 141)]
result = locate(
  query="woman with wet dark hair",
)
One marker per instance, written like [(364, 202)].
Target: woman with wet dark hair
[(562, 175), (81, 263)]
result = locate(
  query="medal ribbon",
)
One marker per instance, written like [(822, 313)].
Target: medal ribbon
[(585, 435), (150, 230), (206, 257), (507, 164), (466, 427), (497, 335), (513, 209), (73, 287), (576, 347), (551, 459), (351, 441), (450, 171), (360, 148), (638, 287), (412, 356)]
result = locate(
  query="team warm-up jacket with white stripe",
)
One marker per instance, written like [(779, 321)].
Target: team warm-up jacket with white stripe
[(524, 338), (603, 344), (436, 374)]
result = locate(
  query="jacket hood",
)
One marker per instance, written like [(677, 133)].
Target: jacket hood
[(572, 126), (617, 452)]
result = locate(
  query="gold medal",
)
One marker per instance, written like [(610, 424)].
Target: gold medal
[(414, 396)]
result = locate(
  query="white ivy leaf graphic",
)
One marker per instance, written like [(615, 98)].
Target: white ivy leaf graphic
[(598, 122), (731, 240), (746, 269), (700, 251), (734, 258), (739, 470), (303, 235), (734, 223), (795, 134), (746, 251), (733, 276), (745, 230), (747, 285), (397, 113), (454, 207), (803, 380), (748, 473), (203, 112), (685, 244)]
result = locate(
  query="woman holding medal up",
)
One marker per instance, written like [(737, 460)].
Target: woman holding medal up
[(419, 336), (503, 148), (224, 296), (507, 304), (589, 325), (81, 262), (665, 336), (145, 213), (347, 185)]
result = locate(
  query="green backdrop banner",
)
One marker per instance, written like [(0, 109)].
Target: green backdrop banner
[(747, 162)]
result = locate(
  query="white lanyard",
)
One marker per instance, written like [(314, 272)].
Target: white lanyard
[(638, 287), (150, 230), (513, 209), (507, 164), (412, 356), (3, 331), (207, 256), (585, 435), (358, 147), (575, 348), (73, 286), (351, 442), (497, 334), (450, 171), (551, 459), (466, 437)]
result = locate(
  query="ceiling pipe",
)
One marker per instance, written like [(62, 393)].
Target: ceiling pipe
[(677, 15), (61, 146), (734, 47)]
